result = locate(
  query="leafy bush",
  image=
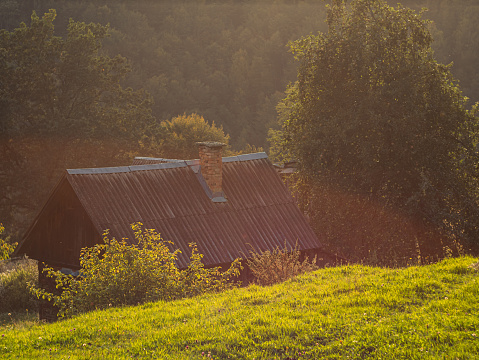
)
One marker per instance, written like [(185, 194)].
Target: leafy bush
[(180, 135), (270, 267), (14, 290), (115, 274), (6, 249)]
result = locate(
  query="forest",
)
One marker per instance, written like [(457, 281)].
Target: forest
[(227, 62)]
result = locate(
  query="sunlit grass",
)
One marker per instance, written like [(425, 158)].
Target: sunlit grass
[(349, 312)]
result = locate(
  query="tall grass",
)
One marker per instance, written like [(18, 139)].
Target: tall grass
[(348, 312), (14, 293)]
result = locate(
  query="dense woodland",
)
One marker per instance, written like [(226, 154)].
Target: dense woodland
[(227, 61)]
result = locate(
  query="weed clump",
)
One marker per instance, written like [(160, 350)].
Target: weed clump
[(271, 267)]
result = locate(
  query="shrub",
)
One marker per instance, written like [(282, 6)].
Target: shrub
[(115, 273), (14, 289), (6, 249), (270, 267)]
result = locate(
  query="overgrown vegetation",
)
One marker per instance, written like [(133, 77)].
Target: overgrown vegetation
[(355, 312), (14, 290), (271, 267), (116, 274)]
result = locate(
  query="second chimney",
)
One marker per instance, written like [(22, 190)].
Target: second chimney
[(211, 165)]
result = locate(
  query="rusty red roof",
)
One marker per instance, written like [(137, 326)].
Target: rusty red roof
[(169, 196)]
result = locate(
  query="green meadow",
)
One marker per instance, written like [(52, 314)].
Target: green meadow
[(347, 312)]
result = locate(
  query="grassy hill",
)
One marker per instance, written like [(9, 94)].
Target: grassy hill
[(349, 312)]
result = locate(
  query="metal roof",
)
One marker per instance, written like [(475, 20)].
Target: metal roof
[(168, 196), (259, 213)]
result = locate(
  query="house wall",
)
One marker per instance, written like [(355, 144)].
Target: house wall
[(59, 233), (62, 230)]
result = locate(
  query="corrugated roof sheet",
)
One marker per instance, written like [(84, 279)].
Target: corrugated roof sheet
[(259, 213)]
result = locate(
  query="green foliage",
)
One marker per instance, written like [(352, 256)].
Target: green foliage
[(6, 249), (360, 312), (14, 290), (61, 106), (375, 117), (180, 135), (271, 267), (65, 86), (276, 152), (226, 60), (116, 273), (223, 60)]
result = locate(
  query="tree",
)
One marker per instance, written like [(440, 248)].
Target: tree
[(62, 106), (55, 85), (374, 116), (178, 136)]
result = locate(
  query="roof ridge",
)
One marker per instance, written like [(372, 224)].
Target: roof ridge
[(172, 163), (124, 169), (241, 157)]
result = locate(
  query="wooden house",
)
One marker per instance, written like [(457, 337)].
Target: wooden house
[(227, 205)]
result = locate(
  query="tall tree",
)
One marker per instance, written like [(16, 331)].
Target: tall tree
[(62, 106), (373, 115)]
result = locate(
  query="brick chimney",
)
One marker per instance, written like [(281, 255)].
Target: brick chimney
[(211, 165)]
